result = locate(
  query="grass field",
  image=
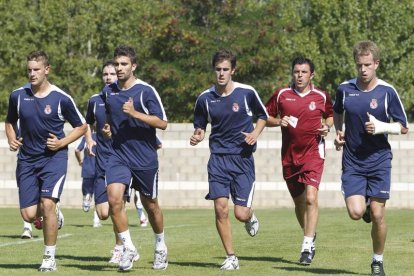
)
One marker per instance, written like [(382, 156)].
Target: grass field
[(343, 246)]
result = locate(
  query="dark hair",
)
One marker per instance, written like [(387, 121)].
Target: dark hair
[(108, 63), (127, 51), (302, 60), (224, 55), (38, 56)]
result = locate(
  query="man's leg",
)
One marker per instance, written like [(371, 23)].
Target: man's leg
[(156, 219), (223, 225), (356, 206), (120, 220), (312, 211), (50, 231), (379, 227)]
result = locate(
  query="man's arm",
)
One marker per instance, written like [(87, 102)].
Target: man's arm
[(251, 138), (14, 141), (150, 120), (340, 137), (53, 143)]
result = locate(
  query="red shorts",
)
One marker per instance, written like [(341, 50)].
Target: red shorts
[(297, 177)]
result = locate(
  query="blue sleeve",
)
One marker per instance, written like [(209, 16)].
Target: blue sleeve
[(200, 114), (154, 104), (396, 108), (90, 114), (339, 101), (12, 115), (71, 113), (259, 109)]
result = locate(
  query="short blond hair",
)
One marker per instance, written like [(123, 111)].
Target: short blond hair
[(364, 48)]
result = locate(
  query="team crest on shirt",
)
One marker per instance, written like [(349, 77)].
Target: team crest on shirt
[(373, 104), (48, 109), (236, 107), (312, 106)]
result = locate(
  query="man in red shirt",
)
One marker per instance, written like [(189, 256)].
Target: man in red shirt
[(305, 116)]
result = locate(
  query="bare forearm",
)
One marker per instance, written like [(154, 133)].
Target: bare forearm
[(74, 135), (150, 120)]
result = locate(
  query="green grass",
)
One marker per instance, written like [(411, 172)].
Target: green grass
[(343, 246)]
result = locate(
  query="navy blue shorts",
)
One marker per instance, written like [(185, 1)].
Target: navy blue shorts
[(231, 175), (145, 181), (99, 189), (87, 185), (45, 178), (375, 183)]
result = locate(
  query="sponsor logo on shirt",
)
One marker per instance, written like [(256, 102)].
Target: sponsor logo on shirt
[(48, 109), (290, 99), (28, 99), (312, 106), (214, 101), (236, 107), (354, 94), (101, 104), (373, 104)]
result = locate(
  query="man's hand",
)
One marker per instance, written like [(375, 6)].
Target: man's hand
[(197, 137), (323, 131), (249, 138), (53, 143), (339, 140), (128, 107), (106, 131), (89, 145), (15, 144)]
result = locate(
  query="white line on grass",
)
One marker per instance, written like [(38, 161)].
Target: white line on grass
[(32, 240), (173, 226)]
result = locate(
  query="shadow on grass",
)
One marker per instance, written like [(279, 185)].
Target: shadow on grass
[(318, 271), (83, 258), (194, 264), (19, 266), (19, 237)]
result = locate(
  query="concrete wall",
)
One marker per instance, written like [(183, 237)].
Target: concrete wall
[(183, 177)]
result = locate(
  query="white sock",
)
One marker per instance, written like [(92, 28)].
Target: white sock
[(119, 247), (95, 217), (307, 243), (126, 239), (160, 242), (378, 258), (50, 250), (27, 225)]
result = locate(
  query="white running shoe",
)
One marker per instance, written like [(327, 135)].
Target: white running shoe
[(160, 260), (97, 224), (252, 226), (86, 203), (116, 256), (128, 257), (143, 222), (27, 233), (48, 264), (59, 215), (230, 263)]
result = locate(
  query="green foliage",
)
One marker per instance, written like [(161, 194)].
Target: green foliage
[(175, 40)]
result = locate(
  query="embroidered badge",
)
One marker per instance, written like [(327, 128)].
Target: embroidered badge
[(373, 104), (48, 109), (312, 106), (235, 107)]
